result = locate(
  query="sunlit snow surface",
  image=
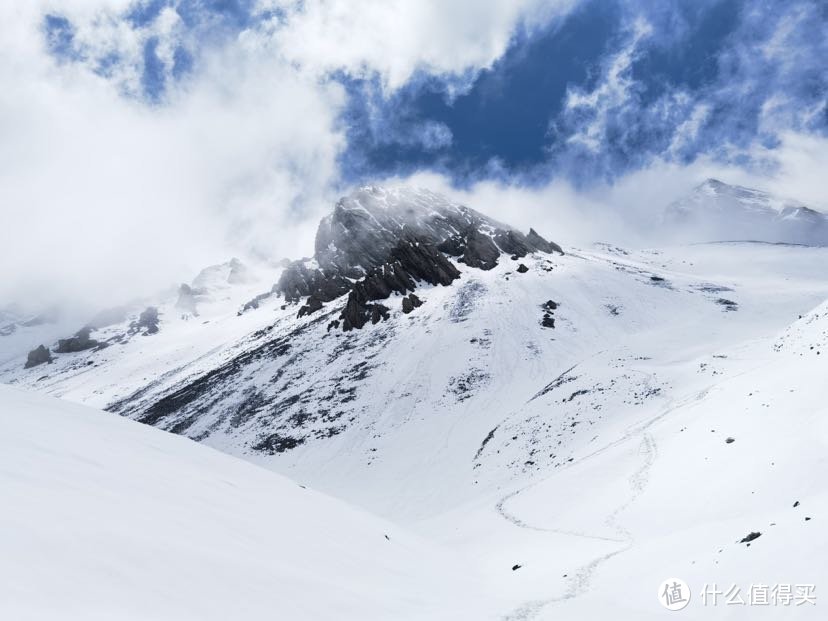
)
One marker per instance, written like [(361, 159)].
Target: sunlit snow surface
[(592, 454)]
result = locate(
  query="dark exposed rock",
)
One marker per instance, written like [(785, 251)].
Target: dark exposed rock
[(453, 246), (730, 440), (522, 269), (481, 251), (548, 321), (333, 325), (147, 321), (750, 537), (298, 281), (411, 262), (384, 280), (378, 242), (513, 243), (729, 305), (358, 311), (311, 306), (516, 567), (550, 305), (379, 312), (539, 243), (79, 342), (409, 303), (277, 443), (365, 226), (255, 302), (424, 262), (38, 356)]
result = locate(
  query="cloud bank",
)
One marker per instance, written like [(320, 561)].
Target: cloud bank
[(144, 139)]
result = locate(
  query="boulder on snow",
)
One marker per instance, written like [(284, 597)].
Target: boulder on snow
[(38, 356), (409, 303), (79, 342), (522, 269)]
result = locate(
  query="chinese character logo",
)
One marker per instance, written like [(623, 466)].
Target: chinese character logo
[(674, 594)]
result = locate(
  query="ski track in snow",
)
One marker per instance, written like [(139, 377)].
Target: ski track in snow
[(580, 581)]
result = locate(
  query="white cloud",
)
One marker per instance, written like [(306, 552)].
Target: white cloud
[(104, 197), (613, 92), (395, 38)]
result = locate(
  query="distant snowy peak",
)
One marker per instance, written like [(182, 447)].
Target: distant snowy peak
[(717, 211)]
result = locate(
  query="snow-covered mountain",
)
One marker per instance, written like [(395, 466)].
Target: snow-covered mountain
[(716, 211), (578, 425)]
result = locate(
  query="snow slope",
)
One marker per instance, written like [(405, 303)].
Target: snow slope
[(104, 518), (592, 455)]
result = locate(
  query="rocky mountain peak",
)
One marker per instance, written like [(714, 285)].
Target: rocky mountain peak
[(379, 241)]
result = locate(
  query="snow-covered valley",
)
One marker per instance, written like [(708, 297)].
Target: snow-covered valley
[(548, 437)]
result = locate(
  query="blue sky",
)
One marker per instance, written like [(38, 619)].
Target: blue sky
[(590, 94)]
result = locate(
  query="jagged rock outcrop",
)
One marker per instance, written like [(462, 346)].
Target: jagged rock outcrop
[(299, 281), (513, 243), (358, 311), (311, 306), (79, 342), (380, 242), (480, 252), (39, 355), (522, 269), (147, 321), (539, 243)]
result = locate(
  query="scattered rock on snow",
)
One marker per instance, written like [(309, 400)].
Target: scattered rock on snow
[(522, 269), (750, 537)]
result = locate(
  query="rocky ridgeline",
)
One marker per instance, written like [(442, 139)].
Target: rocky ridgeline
[(378, 242)]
